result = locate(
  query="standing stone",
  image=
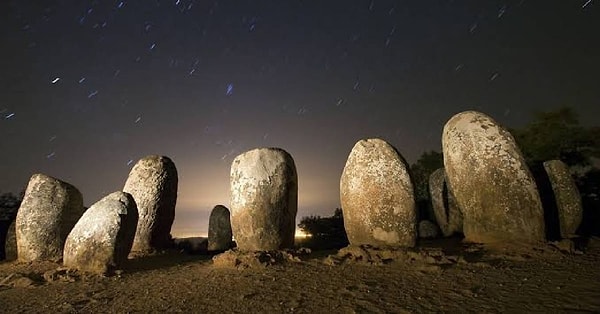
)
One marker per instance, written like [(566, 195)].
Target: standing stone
[(8, 213), (153, 184), (102, 238), (566, 194), (11, 243), (377, 196), (491, 183), (264, 199), (446, 212), (49, 210), (219, 229), (428, 230)]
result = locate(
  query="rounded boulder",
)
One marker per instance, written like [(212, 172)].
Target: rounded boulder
[(102, 238), (48, 212), (490, 181), (377, 196), (153, 184), (264, 199)]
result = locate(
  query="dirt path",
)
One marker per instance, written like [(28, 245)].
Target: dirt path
[(480, 280)]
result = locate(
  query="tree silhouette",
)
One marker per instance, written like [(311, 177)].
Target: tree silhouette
[(558, 135), (420, 172), (325, 232)]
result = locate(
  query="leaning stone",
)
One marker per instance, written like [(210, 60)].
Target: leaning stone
[(377, 196), (101, 240), (491, 182), (219, 229), (446, 212), (153, 184), (49, 210), (264, 199), (566, 194), (428, 230)]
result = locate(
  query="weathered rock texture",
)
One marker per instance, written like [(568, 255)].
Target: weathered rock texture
[(264, 199), (491, 183), (377, 196), (445, 210), (49, 210), (153, 184), (219, 229), (568, 200), (102, 238)]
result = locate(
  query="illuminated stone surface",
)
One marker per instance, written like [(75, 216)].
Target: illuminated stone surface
[(102, 238), (49, 210), (153, 184), (264, 199), (491, 183), (377, 196)]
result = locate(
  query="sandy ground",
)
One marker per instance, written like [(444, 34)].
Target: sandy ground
[(439, 276)]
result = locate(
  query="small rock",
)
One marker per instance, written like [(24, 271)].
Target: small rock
[(428, 230)]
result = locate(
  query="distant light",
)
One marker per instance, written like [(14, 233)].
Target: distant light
[(55, 80), (92, 94), (121, 4), (81, 80), (138, 119), (152, 46), (301, 234), (10, 115), (129, 162), (229, 91), (52, 154)]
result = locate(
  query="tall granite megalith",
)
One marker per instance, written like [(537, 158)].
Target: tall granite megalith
[(153, 184), (48, 212), (446, 211), (219, 229), (264, 199), (491, 183), (567, 197), (102, 238), (377, 196)]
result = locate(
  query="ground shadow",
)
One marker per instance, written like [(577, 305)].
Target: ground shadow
[(167, 259), (548, 199)]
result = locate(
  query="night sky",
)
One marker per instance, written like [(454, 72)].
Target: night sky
[(89, 87)]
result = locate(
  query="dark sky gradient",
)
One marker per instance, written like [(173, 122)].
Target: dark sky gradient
[(88, 87)]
